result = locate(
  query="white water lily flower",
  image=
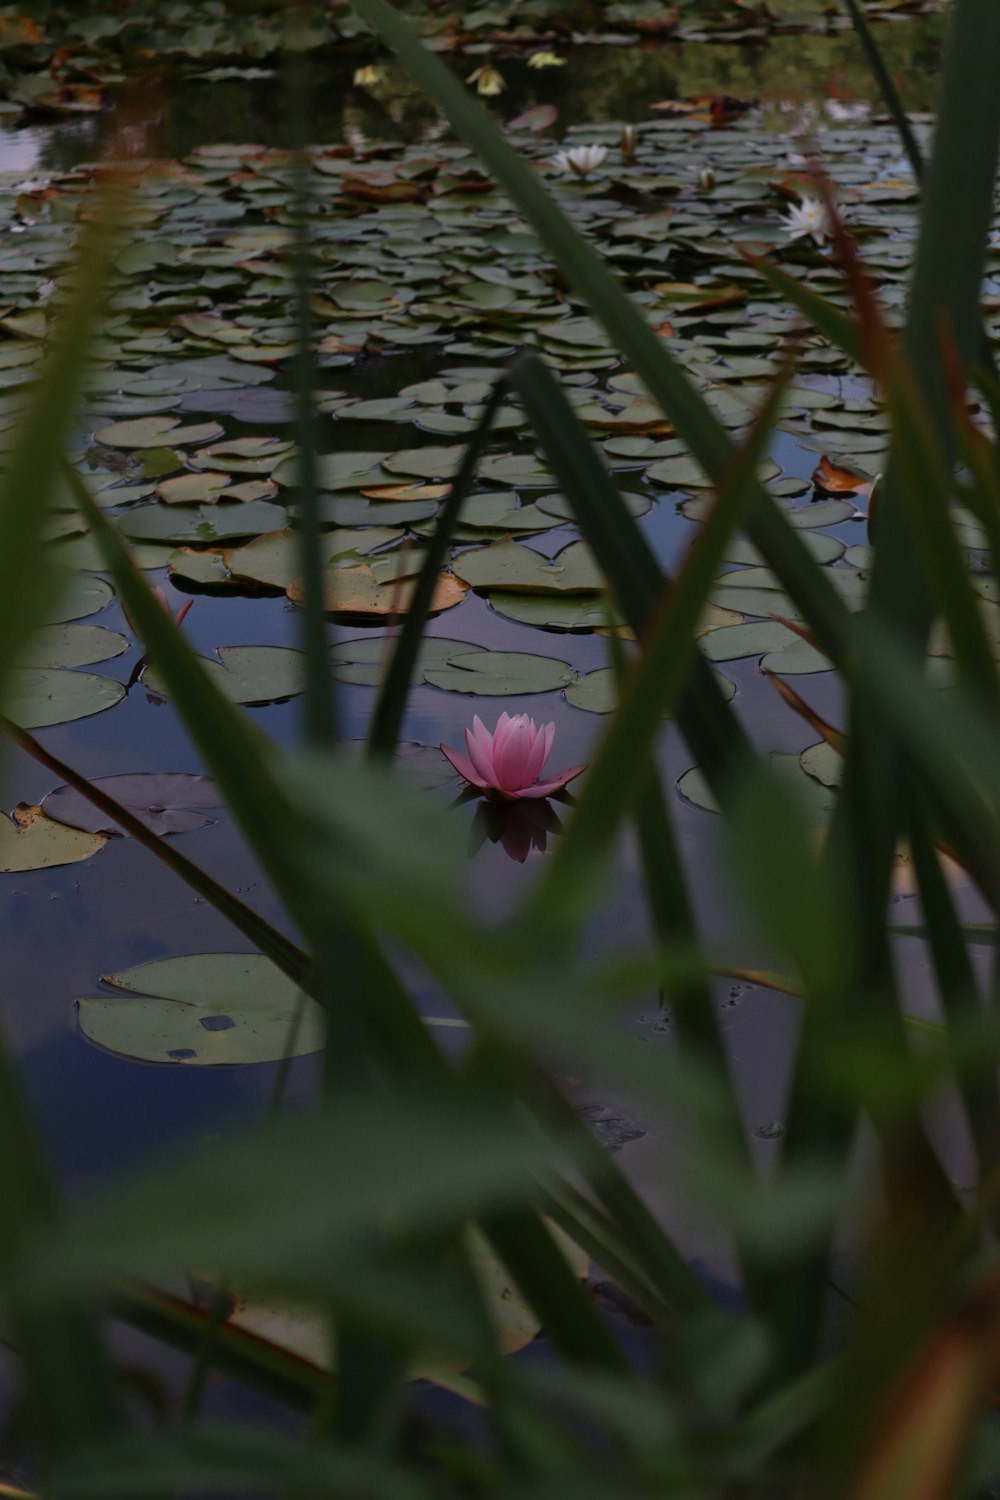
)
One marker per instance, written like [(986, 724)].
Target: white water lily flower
[(580, 159), (488, 80), (546, 60), (841, 112), (807, 218)]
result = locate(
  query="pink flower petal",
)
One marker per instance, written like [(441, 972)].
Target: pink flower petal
[(551, 784), (511, 761), (539, 752), (464, 767), (480, 755)]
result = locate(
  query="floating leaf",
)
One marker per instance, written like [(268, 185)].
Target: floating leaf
[(204, 1009), (202, 523), (275, 558), (72, 646), (510, 566), (165, 801), (156, 432), (833, 480), (597, 692), (37, 698), (31, 841), (247, 674), (364, 659), (357, 591), (505, 674)]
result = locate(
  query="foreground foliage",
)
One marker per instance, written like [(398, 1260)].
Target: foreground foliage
[(349, 1225)]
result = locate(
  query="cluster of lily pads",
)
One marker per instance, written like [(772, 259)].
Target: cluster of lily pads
[(185, 437)]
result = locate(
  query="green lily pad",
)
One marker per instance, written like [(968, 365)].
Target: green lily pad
[(203, 1009), (512, 567), (72, 646), (559, 505), (31, 841), (363, 660), (426, 463), (815, 801), (156, 432), (247, 674), (37, 698), (597, 692), (202, 523), (79, 595), (504, 674), (754, 639), (192, 489), (797, 657), (823, 763), (275, 559), (557, 611)]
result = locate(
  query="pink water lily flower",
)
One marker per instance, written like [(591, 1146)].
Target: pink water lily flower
[(508, 763)]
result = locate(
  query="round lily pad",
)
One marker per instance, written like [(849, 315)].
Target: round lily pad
[(597, 692), (38, 697), (556, 611), (504, 674), (735, 641), (72, 646), (203, 1009), (275, 559), (165, 801), (511, 566), (79, 595), (202, 523), (358, 592), (248, 674), (155, 432), (31, 841), (363, 660)]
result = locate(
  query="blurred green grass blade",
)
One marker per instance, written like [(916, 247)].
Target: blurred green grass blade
[(319, 708), (975, 932), (229, 1459), (70, 1383), (958, 199), (238, 755), (715, 734), (835, 324), (887, 87), (545, 1278), (290, 959), (923, 472), (391, 703), (33, 464), (635, 340), (252, 1203), (668, 650), (956, 984)]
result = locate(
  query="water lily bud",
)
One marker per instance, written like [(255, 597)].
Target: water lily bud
[(488, 80), (627, 142), (707, 178)]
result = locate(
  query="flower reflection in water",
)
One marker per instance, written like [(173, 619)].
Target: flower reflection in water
[(518, 827)]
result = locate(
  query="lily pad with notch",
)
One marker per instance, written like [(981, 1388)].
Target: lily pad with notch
[(38, 697), (204, 1009), (31, 841), (164, 801), (247, 674)]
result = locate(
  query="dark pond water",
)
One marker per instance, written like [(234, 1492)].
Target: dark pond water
[(63, 929)]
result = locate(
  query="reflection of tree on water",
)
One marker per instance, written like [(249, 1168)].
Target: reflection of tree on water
[(518, 827), (599, 83)]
